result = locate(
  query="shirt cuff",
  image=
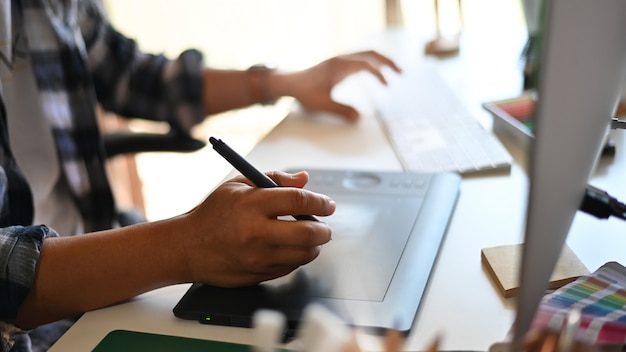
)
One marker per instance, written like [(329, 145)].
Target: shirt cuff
[(183, 90), (20, 247)]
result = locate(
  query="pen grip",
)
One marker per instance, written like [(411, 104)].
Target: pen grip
[(242, 165), (305, 217), (250, 172), (259, 179)]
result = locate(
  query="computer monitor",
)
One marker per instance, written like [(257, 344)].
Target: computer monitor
[(531, 10), (581, 71)]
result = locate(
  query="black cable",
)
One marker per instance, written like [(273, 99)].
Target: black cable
[(600, 204)]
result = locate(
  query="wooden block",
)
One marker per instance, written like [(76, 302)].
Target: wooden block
[(503, 263)]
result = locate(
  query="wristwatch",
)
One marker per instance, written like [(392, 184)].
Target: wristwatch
[(258, 76)]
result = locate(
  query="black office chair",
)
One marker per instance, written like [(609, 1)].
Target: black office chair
[(119, 143), (131, 143)]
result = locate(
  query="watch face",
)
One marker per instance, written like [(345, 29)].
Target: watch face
[(258, 76)]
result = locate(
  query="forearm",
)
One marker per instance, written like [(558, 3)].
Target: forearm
[(82, 273), (212, 244), (224, 90)]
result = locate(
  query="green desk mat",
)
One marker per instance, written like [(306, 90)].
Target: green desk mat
[(124, 340)]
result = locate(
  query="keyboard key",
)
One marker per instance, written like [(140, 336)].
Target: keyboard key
[(431, 130)]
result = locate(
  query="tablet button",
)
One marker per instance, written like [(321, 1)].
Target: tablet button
[(361, 180)]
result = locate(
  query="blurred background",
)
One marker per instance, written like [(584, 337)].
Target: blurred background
[(289, 34)]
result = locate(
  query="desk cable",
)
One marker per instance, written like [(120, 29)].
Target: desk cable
[(617, 124), (602, 205)]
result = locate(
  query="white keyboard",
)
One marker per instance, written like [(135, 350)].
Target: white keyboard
[(431, 131)]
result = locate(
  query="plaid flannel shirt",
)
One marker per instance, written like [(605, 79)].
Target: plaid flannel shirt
[(86, 62), (79, 61)]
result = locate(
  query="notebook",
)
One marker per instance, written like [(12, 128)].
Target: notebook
[(503, 262), (431, 130), (387, 231), (135, 341)]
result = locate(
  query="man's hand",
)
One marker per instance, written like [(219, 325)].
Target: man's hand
[(312, 87), (237, 239)]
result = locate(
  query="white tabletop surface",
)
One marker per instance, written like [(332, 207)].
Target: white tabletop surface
[(462, 304)]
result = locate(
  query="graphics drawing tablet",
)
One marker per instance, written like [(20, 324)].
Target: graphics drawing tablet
[(387, 231)]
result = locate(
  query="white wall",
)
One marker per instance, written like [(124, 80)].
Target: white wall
[(239, 33)]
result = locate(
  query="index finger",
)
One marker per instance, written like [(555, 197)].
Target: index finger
[(374, 69), (298, 234), (386, 61), (379, 59), (284, 201)]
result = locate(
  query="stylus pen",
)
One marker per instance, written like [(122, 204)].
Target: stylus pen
[(250, 172)]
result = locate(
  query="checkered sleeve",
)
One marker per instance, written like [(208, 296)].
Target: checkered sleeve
[(20, 247), (135, 84)]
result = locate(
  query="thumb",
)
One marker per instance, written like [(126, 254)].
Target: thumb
[(347, 112), (285, 179)]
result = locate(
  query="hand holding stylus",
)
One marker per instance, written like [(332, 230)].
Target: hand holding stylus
[(249, 171)]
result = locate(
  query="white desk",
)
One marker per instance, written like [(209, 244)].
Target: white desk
[(461, 304)]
